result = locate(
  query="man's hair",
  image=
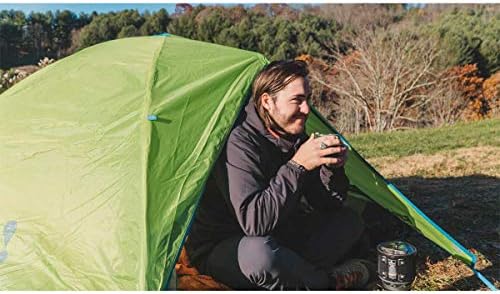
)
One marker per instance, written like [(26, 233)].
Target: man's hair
[(272, 79)]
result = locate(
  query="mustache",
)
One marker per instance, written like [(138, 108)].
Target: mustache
[(297, 116)]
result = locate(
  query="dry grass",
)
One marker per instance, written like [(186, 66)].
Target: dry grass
[(459, 189), (450, 274), (483, 160)]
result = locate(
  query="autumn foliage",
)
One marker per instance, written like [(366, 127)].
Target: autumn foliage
[(491, 93), (476, 97), (469, 85)]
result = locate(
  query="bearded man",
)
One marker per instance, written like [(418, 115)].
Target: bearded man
[(272, 215)]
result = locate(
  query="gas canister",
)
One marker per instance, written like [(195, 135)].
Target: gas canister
[(396, 265)]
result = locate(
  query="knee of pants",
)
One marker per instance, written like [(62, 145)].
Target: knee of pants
[(257, 257)]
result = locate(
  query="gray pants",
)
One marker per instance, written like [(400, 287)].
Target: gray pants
[(297, 256)]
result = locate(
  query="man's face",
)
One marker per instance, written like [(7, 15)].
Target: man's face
[(290, 108)]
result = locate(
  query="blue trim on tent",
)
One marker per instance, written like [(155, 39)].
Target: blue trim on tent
[(484, 280), (163, 35), (472, 256)]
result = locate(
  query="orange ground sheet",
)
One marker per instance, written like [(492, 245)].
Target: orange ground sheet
[(188, 277)]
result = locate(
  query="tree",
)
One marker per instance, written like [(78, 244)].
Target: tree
[(12, 37), (39, 30), (491, 93), (108, 26), (183, 22), (127, 31), (357, 18), (181, 8), (211, 21), (384, 80), (469, 36), (99, 30), (318, 36), (457, 96), (156, 23), (64, 23)]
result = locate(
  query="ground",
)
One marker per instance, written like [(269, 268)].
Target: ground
[(455, 184)]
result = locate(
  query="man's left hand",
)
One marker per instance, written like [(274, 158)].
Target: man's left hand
[(341, 155)]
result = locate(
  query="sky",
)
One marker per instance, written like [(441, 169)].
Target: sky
[(90, 7), (87, 7)]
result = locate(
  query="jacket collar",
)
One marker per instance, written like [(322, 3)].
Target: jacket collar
[(284, 144)]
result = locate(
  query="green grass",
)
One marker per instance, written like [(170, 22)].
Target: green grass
[(427, 141)]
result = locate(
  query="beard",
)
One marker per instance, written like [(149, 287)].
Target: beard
[(287, 125)]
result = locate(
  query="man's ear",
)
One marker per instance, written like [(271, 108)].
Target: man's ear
[(266, 100)]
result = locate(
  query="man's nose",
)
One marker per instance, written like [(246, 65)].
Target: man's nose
[(305, 108)]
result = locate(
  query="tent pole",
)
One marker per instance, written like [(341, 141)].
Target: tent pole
[(484, 280)]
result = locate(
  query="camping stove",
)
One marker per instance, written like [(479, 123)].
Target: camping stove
[(396, 265)]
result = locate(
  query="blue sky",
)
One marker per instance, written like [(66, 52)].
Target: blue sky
[(87, 7), (90, 7)]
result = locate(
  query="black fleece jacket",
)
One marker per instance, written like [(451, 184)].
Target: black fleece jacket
[(253, 188)]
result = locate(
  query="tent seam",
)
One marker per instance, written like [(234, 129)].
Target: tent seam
[(147, 145)]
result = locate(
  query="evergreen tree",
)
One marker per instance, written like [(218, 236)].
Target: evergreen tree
[(155, 23)]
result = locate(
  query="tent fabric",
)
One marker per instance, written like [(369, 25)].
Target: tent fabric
[(96, 196), (102, 196)]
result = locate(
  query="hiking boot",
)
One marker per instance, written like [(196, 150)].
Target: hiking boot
[(352, 274)]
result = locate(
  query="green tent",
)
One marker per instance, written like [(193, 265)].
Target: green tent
[(104, 155)]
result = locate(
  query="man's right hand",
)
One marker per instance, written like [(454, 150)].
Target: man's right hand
[(310, 154)]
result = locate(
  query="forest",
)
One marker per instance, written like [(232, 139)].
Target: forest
[(373, 67)]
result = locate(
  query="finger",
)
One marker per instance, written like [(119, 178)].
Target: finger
[(319, 143), (337, 151), (340, 163), (311, 141), (318, 139), (344, 150), (331, 151), (332, 140), (330, 160)]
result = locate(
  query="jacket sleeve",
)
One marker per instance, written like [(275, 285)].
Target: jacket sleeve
[(327, 188), (259, 204)]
